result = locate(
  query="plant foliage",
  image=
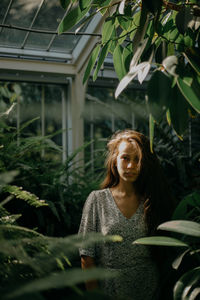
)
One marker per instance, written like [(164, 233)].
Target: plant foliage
[(144, 36)]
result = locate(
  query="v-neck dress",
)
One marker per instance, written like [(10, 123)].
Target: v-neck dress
[(138, 274)]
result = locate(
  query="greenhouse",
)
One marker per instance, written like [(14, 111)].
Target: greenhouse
[(99, 149)]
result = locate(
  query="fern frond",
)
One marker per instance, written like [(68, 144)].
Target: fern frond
[(30, 198), (3, 212), (9, 219)]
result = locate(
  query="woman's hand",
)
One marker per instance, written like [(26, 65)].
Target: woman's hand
[(88, 262)]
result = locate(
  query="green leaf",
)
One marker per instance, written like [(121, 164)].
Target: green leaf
[(9, 219), (158, 102), (118, 62), (72, 18), (31, 199), (178, 108), (185, 284), (193, 58), (191, 94), (151, 131), (62, 279), (183, 18), (91, 62), (160, 241), (124, 22), (65, 3), (185, 227), (127, 56), (107, 30), (103, 54), (153, 6), (84, 4), (176, 263), (186, 205)]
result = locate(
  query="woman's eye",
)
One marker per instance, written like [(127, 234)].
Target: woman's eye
[(125, 157)]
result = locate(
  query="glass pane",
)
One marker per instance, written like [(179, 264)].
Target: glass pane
[(37, 41), (22, 12), (65, 43), (11, 37), (4, 6), (40, 103)]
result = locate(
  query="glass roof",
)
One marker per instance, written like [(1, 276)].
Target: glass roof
[(29, 15)]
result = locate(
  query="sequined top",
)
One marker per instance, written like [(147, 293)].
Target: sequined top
[(138, 278)]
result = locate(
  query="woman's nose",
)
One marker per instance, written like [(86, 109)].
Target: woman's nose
[(130, 164)]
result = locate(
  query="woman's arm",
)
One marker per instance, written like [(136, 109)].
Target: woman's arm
[(88, 262)]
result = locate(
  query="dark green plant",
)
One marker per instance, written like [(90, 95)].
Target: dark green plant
[(185, 239)]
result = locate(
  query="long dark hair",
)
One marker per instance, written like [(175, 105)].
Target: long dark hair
[(151, 182)]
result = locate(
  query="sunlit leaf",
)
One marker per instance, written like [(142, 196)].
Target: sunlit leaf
[(170, 64), (91, 62), (121, 7), (181, 226), (142, 73), (160, 241), (124, 83), (138, 54)]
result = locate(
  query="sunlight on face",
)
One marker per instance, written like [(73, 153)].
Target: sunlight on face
[(127, 161)]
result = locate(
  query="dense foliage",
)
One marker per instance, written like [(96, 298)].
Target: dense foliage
[(145, 36)]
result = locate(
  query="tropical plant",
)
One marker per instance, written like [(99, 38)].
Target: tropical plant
[(187, 263), (141, 36)]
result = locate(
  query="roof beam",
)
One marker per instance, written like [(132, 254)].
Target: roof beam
[(35, 53), (17, 65)]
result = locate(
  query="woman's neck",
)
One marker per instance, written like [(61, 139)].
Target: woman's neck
[(126, 188)]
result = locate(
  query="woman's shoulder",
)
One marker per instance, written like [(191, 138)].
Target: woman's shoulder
[(99, 193)]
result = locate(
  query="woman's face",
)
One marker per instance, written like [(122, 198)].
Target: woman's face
[(127, 161)]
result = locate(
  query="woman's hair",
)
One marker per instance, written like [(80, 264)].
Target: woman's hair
[(151, 182)]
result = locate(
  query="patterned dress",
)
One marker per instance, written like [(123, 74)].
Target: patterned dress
[(139, 276)]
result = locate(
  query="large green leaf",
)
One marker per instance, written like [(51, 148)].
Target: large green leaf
[(183, 18), (91, 62), (178, 108), (107, 30), (186, 206), (185, 227), (118, 62), (61, 280), (158, 101), (72, 18), (184, 286), (102, 56), (160, 241), (191, 94)]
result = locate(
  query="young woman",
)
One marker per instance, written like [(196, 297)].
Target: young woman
[(133, 201)]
